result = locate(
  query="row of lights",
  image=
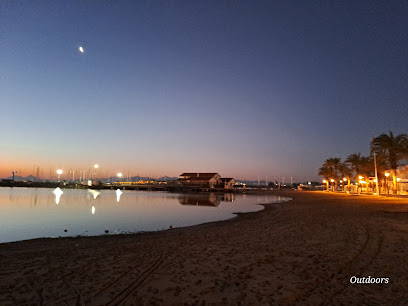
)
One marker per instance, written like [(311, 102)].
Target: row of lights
[(387, 175), (96, 166), (361, 179), (344, 179)]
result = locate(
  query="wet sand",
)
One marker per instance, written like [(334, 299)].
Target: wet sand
[(300, 252)]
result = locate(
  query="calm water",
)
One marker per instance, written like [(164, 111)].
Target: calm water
[(27, 213)]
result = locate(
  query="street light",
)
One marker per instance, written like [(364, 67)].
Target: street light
[(386, 180), (119, 175), (327, 184), (59, 172), (398, 180), (96, 166)]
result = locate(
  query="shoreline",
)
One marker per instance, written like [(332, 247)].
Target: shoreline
[(170, 225), (303, 251), (235, 216)]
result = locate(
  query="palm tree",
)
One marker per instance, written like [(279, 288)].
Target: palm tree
[(345, 172), (394, 149), (381, 165), (367, 170), (381, 168), (326, 172), (333, 164), (356, 162), (367, 166)]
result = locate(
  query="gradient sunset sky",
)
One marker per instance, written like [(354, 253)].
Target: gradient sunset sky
[(242, 88)]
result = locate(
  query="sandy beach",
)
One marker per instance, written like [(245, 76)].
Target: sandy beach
[(299, 252)]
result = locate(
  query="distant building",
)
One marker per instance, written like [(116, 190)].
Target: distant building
[(402, 172), (228, 182), (402, 180), (209, 180)]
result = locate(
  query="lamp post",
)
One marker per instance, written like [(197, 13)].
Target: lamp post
[(13, 174), (376, 176), (386, 181), (398, 179), (332, 181), (95, 177), (376, 187), (59, 172), (360, 178), (327, 184)]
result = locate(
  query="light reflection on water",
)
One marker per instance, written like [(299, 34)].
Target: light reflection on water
[(27, 213)]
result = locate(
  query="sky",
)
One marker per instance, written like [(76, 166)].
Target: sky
[(247, 89)]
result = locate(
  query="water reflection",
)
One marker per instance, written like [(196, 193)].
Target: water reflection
[(200, 200), (94, 193), (228, 197), (118, 194), (211, 199), (58, 192), (27, 213), (11, 194)]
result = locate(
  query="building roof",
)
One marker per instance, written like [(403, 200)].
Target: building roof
[(196, 179), (226, 179), (197, 176)]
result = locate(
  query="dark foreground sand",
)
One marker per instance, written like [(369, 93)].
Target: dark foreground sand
[(299, 252)]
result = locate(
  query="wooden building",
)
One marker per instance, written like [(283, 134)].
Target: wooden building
[(228, 183), (209, 180)]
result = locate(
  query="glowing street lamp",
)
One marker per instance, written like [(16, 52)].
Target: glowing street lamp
[(332, 187), (59, 172), (398, 180), (344, 183), (386, 180), (327, 184), (119, 175), (96, 167)]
